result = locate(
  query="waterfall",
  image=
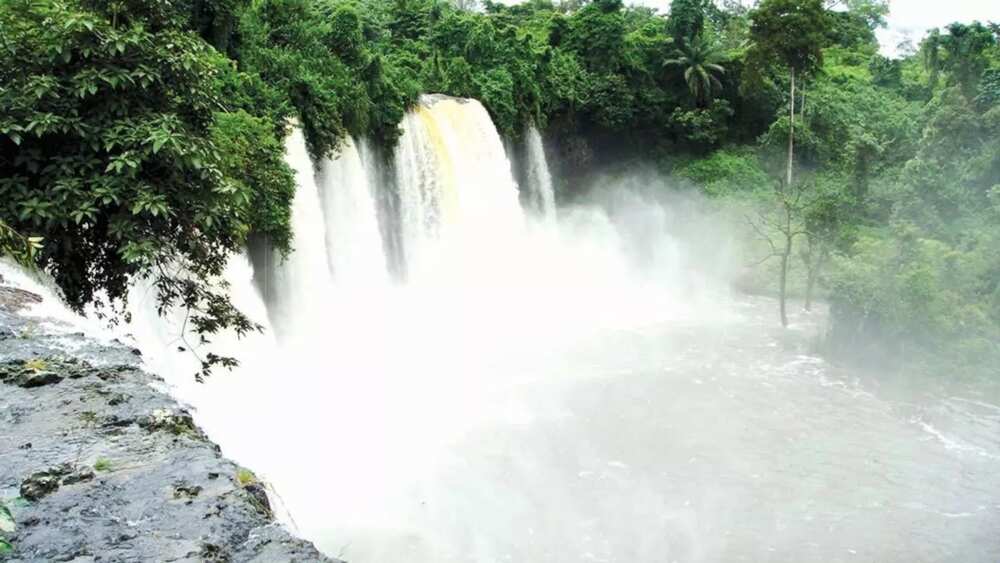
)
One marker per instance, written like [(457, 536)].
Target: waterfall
[(353, 239), (374, 394), (538, 178), (172, 350), (337, 238), (292, 284), (457, 196)]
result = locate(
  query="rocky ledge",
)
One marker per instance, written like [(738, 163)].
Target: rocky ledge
[(97, 464)]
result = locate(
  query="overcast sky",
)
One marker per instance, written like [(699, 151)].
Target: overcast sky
[(907, 18)]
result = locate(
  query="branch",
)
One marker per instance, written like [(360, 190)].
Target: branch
[(762, 235), (762, 260)]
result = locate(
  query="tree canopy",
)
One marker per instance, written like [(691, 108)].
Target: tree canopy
[(143, 138)]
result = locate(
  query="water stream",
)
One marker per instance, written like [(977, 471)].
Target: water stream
[(534, 388)]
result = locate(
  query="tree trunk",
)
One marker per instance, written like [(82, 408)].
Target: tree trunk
[(791, 131), (802, 110), (783, 284), (785, 255), (783, 281)]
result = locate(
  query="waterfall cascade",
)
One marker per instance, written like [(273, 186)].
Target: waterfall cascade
[(458, 199), (525, 393), (374, 382), (353, 239), (291, 284), (538, 178), (337, 239)]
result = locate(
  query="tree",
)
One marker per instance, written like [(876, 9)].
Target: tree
[(793, 33), (872, 12), (965, 48), (930, 51), (699, 60), (687, 19), (597, 35), (106, 151)]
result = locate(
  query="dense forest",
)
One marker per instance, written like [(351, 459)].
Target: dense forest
[(146, 136)]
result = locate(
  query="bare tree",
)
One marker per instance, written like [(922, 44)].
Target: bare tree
[(778, 226)]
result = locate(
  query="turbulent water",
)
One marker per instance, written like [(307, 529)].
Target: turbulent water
[(538, 178), (580, 388)]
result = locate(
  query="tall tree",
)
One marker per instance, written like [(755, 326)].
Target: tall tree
[(791, 33), (699, 59), (930, 51), (687, 19), (965, 47)]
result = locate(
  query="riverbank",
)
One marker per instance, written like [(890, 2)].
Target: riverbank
[(97, 463)]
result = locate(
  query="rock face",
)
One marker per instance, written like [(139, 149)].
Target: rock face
[(98, 465)]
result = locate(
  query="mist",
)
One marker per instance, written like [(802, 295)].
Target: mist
[(572, 384)]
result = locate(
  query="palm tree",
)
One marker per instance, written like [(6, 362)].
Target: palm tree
[(700, 60)]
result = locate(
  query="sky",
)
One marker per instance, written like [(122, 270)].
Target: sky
[(907, 18)]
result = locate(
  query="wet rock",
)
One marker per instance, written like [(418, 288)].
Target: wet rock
[(185, 490), (27, 374), (37, 379), (40, 371), (212, 552), (177, 423), (42, 483), (13, 299), (117, 399), (167, 498), (80, 475), (258, 498), (113, 421)]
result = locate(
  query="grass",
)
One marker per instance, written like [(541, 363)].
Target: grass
[(245, 477), (102, 464), (36, 365)]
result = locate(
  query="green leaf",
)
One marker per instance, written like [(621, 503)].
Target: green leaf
[(7, 525), (5, 547)]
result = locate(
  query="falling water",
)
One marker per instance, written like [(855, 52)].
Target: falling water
[(565, 393), (292, 284), (458, 199), (353, 240), (539, 180)]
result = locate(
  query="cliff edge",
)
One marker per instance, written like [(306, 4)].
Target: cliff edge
[(98, 464)]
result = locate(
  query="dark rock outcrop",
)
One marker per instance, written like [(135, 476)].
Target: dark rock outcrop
[(96, 464)]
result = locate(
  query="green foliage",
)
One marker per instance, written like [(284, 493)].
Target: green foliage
[(146, 138), (7, 526), (687, 19), (727, 172), (106, 152), (253, 158), (897, 286), (792, 32), (923, 268), (965, 48), (700, 61), (701, 127), (102, 464), (245, 477), (21, 248), (36, 364)]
